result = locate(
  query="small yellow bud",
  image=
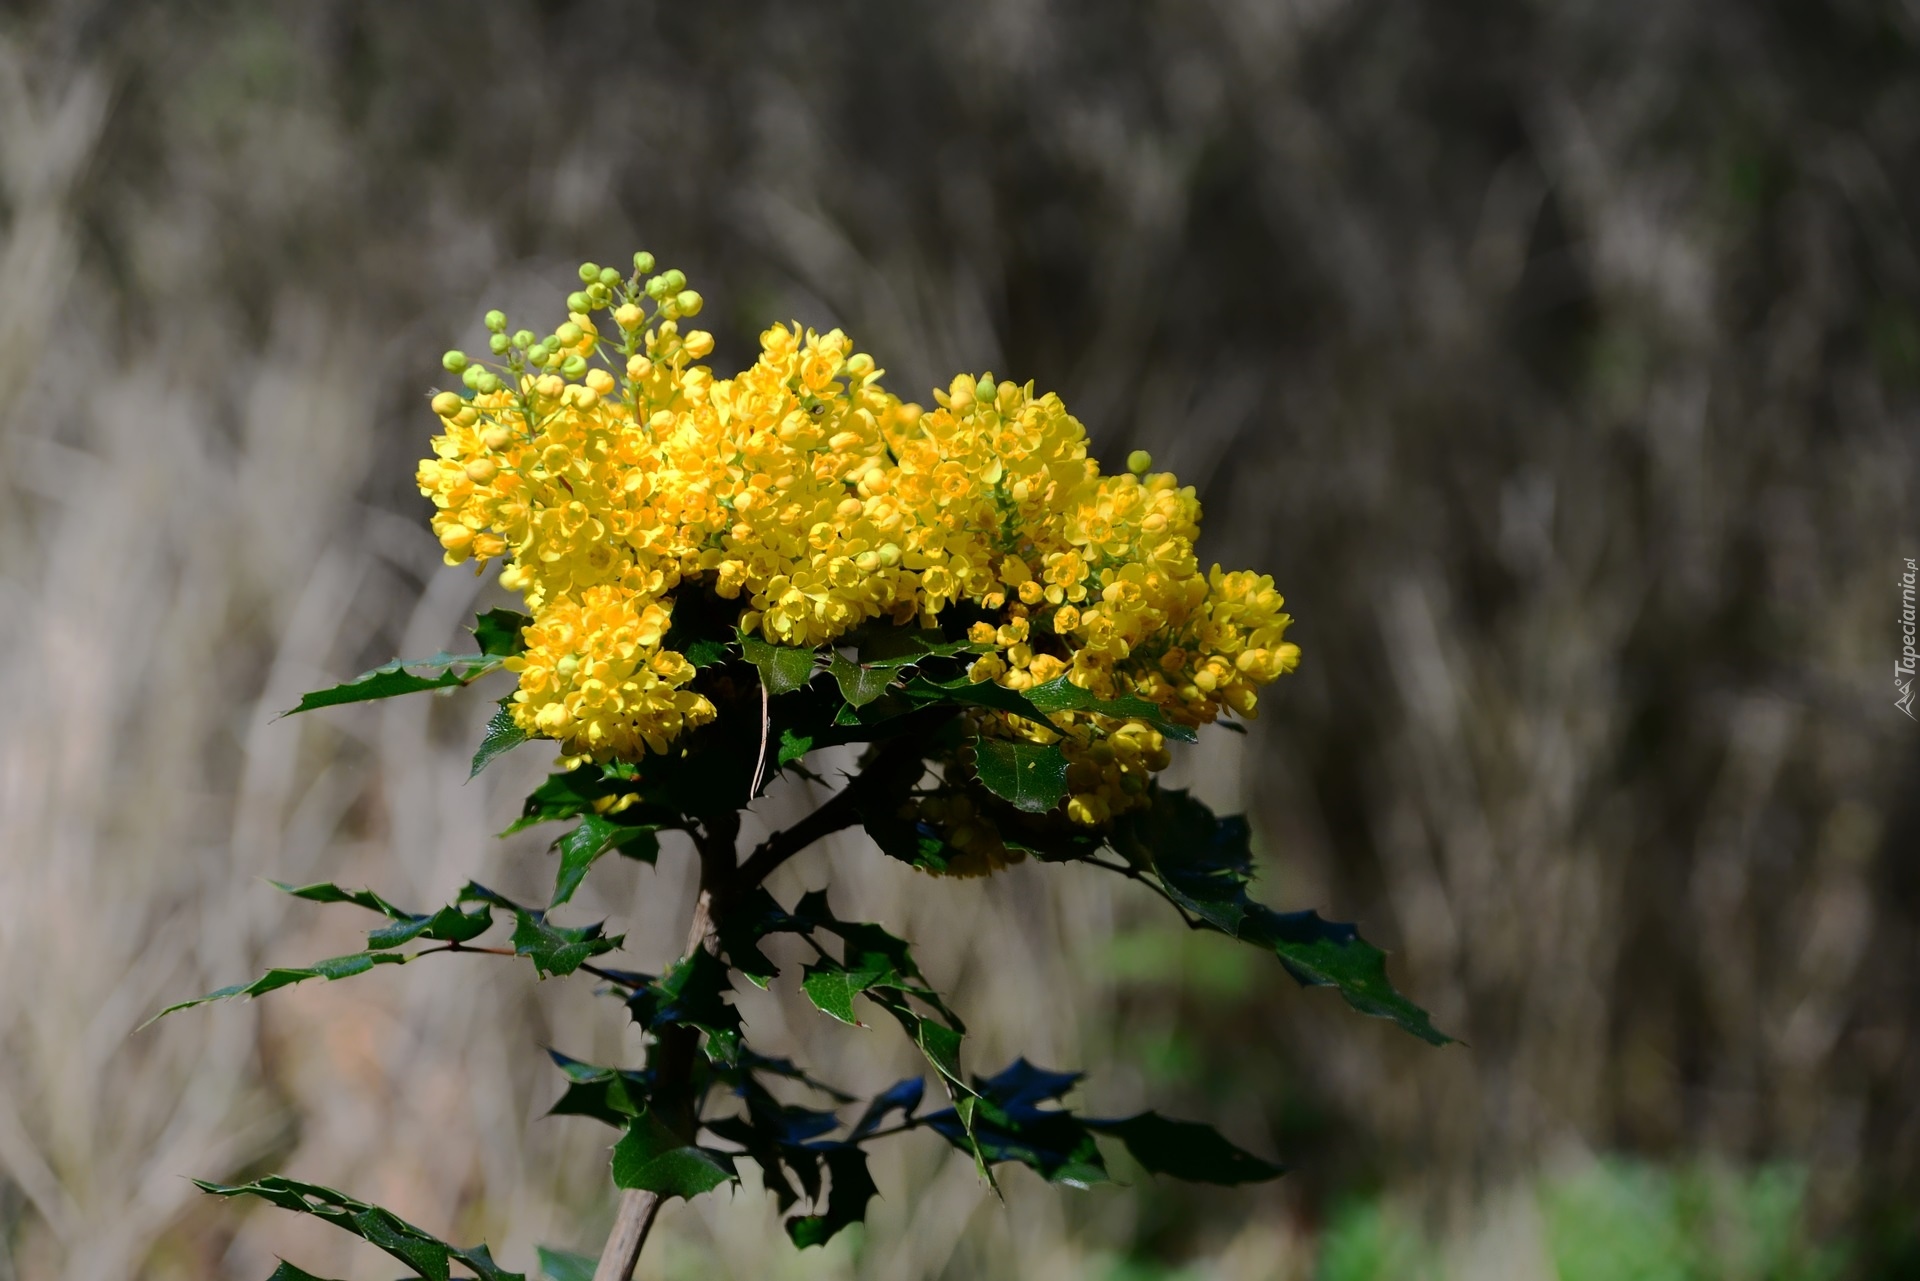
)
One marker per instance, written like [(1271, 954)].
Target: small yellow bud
[(454, 361), (688, 301), (638, 367), (699, 344), (448, 403), (628, 316), (601, 381), (482, 470), (569, 334), (497, 438)]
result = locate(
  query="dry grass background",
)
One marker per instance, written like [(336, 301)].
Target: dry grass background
[(1560, 361)]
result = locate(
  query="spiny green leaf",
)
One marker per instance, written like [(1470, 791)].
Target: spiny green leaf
[(498, 632), (847, 1196), (565, 1265), (793, 746), (1006, 1123), (653, 1158), (859, 684), (426, 1254), (831, 988), (595, 835), (1203, 864), (558, 950), (783, 668), (503, 735), (694, 992), (883, 645), (612, 1095), (444, 671), (1187, 1150), (337, 967), (287, 1272), (1062, 695), (448, 925), (1032, 776), (902, 1097), (328, 892)]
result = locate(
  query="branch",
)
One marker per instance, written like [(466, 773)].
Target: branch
[(836, 815)]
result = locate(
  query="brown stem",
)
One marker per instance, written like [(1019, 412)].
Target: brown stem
[(719, 878), (639, 1208)]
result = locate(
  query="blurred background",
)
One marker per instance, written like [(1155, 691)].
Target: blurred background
[(1561, 361)]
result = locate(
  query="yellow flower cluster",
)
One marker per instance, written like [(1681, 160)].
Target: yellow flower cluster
[(804, 490)]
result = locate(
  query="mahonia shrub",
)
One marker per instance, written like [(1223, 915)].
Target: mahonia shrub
[(724, 576)]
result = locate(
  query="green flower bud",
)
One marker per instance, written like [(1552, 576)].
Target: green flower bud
[(1138, 462), (589, 272), (688, 302), (573, 366), (578, 301), (454, 361), (642, 263), (498, 344), (486, 383), (676, 280), (524, 338), (496, 321), (599, 293), (610, 277), (657, 288), (471, 377), (569, 334)]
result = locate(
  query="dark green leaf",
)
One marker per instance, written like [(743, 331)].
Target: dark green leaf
[(338, 967), (882, 645), (783, 668), (558, 950), (1187, 1150), (448, 925), (705, 653), (793, 746), (287, 1272), (328, 892), (972, 694), (565, 1265), (902, 1097), (1204, 863), (1007, 1124), (694, 992), (498, 632), (503, 735), (595, 835), (1062, 695), (860, 685), (847, 1196), (443, 671), (653, 1158), (1032, 776), (426, 1254), (612, 1095)]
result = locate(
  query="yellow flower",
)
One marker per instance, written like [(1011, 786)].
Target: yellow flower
[(804, 491)]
